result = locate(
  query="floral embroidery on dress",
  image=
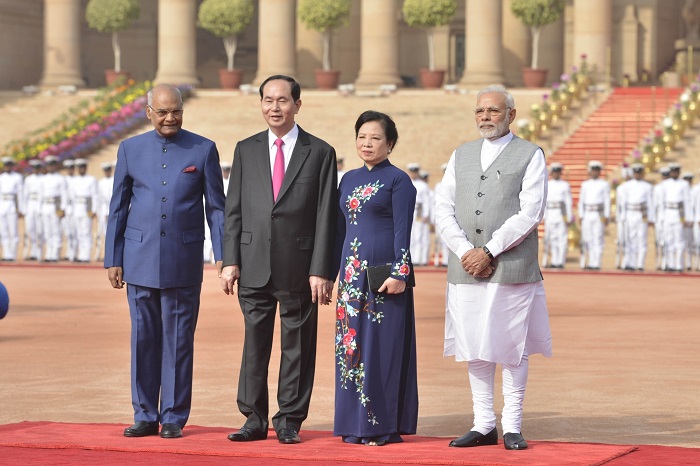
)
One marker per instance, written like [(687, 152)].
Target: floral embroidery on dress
[(402, 268), (358, 197), (351, 302)]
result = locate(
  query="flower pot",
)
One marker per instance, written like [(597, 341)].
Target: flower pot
[(230, 79), (431, 79), (112, 76), (327, 79), (534, 77)]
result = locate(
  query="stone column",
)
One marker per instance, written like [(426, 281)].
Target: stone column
[(277, 49), (177, 42), (379, 47), (483, 44), (62, 23), (593, 35)]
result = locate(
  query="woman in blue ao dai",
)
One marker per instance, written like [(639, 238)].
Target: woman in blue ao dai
[(376, 395)]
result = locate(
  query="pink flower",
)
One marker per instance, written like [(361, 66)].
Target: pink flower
[(349, 351), (354, 203), (356, 263), (349, 272), (404, 269), (367, 191), (347, 339)]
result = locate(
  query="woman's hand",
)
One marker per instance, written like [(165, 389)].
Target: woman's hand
[(392, 286)]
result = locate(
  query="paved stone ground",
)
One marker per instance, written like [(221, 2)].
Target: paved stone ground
[(623, 369)]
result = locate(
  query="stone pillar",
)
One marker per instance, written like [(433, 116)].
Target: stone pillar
[(62, 23), (177, 42), (379, 47), (593, 35), (483, 44), (277, 49)]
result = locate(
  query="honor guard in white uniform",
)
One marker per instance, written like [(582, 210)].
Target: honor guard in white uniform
[(208, 251), (635, 212), (594, 212), (339, 163), (660, 252), (104, 195), (68, 221), (33, 239), (690, 219), (675, 204), (695, 201), (10, 209), (54, 198), (82, 192), (441, 250), (557, 218), (421, 217)]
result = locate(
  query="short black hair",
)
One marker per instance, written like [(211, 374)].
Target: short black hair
[(390, 131), (296, 88)]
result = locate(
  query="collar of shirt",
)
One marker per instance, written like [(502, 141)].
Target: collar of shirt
[(490, 150), (289, 139)]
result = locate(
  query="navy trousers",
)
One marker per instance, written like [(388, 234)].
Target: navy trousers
[(163, 322)]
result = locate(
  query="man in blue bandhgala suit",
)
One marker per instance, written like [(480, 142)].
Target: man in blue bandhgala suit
[(154, 241)]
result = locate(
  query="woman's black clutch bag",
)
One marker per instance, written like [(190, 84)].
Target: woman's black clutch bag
[(377, 275)]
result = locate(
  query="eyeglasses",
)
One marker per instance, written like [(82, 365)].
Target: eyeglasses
[(162, 113), (493, 111)]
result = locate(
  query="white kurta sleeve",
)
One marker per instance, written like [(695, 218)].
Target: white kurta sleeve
[(445, 219)]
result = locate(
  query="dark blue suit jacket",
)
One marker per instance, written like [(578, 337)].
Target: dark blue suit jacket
[(155, 230)]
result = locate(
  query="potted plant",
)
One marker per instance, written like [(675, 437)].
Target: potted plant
[(429, 14), (112, 16), (536, 14), (227, 19), (324, 16)]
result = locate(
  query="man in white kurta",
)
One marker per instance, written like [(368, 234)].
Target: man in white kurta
[(491, 200), (675, 205), (594, 212), (557, 218), (635, 212)]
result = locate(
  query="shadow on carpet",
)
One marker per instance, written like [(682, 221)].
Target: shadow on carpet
[(204, 444)]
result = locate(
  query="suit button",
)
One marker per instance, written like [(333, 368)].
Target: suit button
[(165, 150), (478, 212), (163, 216), (483, 177), (165, 166), (479, 230), (164, 183), (274, 218), (480, 194), (164, 199), (162, 233)]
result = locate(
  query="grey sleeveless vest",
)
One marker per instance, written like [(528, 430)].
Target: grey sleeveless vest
[(484, 200)]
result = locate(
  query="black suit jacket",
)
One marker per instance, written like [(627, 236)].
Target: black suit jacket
[(292, 238)]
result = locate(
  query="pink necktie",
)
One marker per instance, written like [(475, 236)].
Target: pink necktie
[(278, 170)]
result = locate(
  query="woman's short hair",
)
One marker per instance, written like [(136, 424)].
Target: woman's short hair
[(390, 131)]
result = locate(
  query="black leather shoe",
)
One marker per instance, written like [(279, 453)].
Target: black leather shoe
[(247, 434), (171, 431), (514, 441), (475, 439), (288, 436), (141, 429)]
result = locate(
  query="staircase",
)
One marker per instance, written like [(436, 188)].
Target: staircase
[(613, 131)]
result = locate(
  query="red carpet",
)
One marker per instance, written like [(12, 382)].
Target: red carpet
[(63, 443)]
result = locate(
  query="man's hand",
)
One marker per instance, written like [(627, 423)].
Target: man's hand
[(115, 275), (475, 261), (392, 286), (229, 275), (321, 289)]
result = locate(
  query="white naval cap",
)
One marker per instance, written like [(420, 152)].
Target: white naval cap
[(68, 163), (7, 160), (414, 167), (687, 175), (35, 163), (637, 167), (79, 162), (674, 166), (664, 170), (595, 165), (51, 159), (556, 167), (107, 165)]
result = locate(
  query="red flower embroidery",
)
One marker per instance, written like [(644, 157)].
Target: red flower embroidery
[(347, 339), (367, 191), (349, 272), (403, 270), (354, 203), (340, 312), (349, 351), (351, 331), (356, 263)]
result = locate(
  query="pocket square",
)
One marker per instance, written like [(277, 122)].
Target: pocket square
[(190, 169)]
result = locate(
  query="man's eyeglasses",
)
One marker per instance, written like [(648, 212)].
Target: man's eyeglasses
[(162, 113), (493, 111)]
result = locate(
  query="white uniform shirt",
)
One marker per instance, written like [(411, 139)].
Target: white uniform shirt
[(558, 192), (594, 193), (54, 186), (11, 193), (422, 209), (633, 198), (83, 195), (695, 201), (32, 193), (104, 195), (675, 192)]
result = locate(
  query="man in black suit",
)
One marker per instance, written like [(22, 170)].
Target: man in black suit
[(278, 240)]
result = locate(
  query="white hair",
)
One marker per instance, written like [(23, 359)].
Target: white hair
[(497, 88)]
